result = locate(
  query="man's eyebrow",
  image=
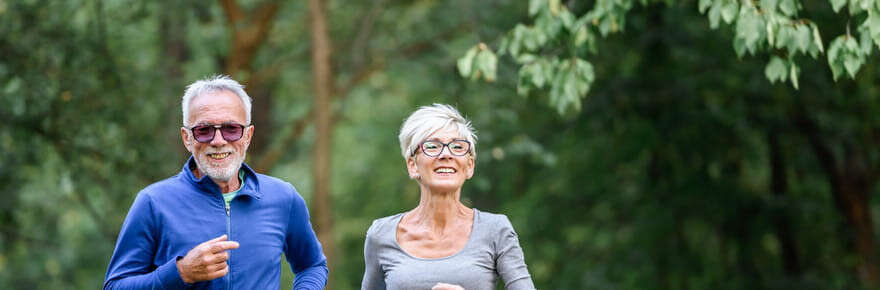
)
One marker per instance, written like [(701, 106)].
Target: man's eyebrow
[(213, 124)]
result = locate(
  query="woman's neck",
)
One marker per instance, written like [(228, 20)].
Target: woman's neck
[(438, 210)]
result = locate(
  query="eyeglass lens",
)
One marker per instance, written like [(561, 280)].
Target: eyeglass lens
[(456, 147), (230, 132)]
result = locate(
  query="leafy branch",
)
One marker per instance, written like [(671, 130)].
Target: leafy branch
[(770, 27)]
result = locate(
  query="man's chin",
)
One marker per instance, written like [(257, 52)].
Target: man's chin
[(220, 173)]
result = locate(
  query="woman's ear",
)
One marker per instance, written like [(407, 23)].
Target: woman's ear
[(470, 168), (412, 169)]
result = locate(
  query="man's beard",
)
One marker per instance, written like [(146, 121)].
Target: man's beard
[(220, 173)]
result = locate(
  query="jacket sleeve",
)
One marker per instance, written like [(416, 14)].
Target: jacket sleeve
[(374, 277), (510, 261), (131, 266), (303, 250)]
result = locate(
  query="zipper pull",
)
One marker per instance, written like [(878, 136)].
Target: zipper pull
[(227, 209)]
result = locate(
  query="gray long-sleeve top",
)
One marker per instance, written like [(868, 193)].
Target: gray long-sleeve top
[(491, 251)]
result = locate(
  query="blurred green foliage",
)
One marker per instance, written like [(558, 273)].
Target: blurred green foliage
[(666, 177), (552, 49)]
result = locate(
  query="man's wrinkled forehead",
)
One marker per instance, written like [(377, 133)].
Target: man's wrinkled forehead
[(217, 107)]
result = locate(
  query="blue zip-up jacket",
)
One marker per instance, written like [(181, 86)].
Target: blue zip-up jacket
[(169, 218)]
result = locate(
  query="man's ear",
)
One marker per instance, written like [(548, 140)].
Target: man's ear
[(249, 135), (187, 142)]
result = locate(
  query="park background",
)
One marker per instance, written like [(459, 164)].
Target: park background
[(634, 144)]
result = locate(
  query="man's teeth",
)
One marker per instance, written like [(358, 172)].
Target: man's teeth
[(444, 170), (218, 155)]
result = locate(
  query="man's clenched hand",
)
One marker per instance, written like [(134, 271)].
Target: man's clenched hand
[(207, 261)]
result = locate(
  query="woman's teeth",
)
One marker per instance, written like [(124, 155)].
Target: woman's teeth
[(444, 170), (218, 155)]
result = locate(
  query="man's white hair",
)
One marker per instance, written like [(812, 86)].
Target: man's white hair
[(429, 119), (213, 84)]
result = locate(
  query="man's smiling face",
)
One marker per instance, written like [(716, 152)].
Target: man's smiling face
[(218, 158)]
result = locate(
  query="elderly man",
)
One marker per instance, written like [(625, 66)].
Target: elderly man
[(217, 224)]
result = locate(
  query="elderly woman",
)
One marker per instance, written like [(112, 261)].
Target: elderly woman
[(442, 244)]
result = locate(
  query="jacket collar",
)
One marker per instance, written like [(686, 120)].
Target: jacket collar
[(206, 185)]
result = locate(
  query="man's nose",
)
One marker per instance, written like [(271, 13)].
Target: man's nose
[(218, 138)]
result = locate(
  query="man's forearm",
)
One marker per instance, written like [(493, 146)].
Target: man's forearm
[(164, 277), (314, 277)]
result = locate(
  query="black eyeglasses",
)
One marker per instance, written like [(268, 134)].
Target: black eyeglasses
[(231, 132), (433, 148)]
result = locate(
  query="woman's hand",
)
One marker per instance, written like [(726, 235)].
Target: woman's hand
[(444, 286)]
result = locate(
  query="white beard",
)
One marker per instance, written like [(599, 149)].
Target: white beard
[(220, 173)]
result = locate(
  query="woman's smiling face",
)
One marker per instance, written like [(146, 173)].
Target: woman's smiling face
[(445, 172)]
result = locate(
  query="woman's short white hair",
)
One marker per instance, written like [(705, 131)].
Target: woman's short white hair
[(429, 119), (213, 84)]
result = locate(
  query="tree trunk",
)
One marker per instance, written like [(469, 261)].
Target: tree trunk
[(248, 32), (782, 223), (323, 88), (850, 187), (174, 53)]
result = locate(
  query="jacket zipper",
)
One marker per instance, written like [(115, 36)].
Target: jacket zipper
[(229, 238)]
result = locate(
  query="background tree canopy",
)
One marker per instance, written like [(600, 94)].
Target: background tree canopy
[(711, 144)]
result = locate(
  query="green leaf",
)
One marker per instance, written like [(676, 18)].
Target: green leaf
[(739, 46), (851, 44), (751, 29), (518, 35), (802, 38), (852, 65), (537, 75), (873, 23), (532, 39), (605, 26), (547, 24), (502, 46), (834, 55), (729, 11), (776, 70), (555, 6), (567, 19), (865, 44), (526, 58), (855, 7), (837, 4), (584, 77), (817, 39), (466, 62), (558, 89), (793, 73), (581, 36), (788, 7), (768, 6), (487, 63), (852, 57), (784, 36), (549, 68), (705, 4), (535, 6), (715, 14)]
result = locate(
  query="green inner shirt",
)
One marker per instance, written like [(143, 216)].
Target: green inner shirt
[(231, 195)]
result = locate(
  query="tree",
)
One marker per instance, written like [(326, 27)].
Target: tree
[(550, 58)]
